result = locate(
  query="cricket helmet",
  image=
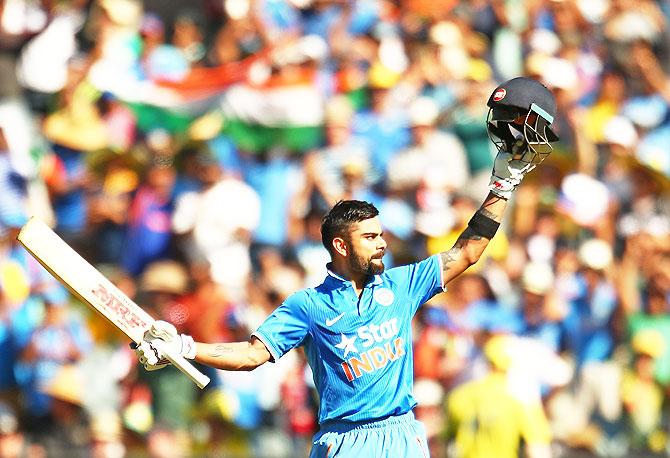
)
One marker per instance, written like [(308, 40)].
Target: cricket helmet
[(521, 112)]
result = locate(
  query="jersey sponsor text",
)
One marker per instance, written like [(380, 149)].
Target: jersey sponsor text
[(373, 359), (387, 349)]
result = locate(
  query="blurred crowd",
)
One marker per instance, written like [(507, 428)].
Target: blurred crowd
[(189, 149)]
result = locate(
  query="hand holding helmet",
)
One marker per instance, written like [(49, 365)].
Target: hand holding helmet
[(519, 125), (508, 173)]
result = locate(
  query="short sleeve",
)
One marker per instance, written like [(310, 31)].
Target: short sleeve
[(286, 327), (423, 280)]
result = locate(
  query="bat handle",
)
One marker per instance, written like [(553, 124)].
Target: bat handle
[(182, 364)]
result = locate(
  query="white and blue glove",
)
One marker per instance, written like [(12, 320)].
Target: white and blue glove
[(510, 168), (163, 337)]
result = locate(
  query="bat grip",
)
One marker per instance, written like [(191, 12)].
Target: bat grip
[(182, 364)]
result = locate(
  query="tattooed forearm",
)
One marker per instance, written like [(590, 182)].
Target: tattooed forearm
[(464, 253), (489, 214), (448, 261), (473, 240), (220, 350), (233, 356), (448, 257)]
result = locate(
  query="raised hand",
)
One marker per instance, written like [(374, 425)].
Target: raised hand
[(510, 168)]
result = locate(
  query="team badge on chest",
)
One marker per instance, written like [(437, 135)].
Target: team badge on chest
[(383, 296)]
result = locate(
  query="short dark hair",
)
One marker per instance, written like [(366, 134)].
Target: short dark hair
[(339, 219)]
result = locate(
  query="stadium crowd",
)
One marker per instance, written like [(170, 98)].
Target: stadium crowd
[(189, 149)]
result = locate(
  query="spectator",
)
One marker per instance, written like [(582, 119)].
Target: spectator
[(161, 286), (74, 129), (427, 170), (149, 226), (222, 237), (67, 430), (109, 207), (383, 125), (60, 340), (647, 307), (275, 178), (468, 120), (20, 282), (475, 410), (592, 302), (589, 328), (641, 395), (324, 167), (160, 61), (540, 319), (309, 250)]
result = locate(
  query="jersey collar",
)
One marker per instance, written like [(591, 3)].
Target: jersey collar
[(343, 282)]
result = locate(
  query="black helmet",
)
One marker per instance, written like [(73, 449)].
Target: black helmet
[(522, 107)]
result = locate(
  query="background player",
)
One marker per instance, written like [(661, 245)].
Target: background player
[(356, 326)]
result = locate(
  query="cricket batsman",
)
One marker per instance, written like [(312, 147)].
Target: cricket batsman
[(356, 326)]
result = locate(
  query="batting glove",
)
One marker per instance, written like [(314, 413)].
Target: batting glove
[(509, 169), (163, 337)]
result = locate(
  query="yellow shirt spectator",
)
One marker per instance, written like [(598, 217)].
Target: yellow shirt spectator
[(485, 420)]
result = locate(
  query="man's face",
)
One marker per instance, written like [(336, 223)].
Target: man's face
[(367, 247)]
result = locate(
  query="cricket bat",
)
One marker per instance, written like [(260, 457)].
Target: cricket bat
[(94, 289)]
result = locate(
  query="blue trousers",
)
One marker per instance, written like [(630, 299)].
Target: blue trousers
[(399, 436)]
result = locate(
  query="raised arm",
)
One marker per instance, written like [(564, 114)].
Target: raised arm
[(519, 125), (474, 239)]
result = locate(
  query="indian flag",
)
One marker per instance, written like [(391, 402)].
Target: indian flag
[(280, 112), (174, 105), (285, 110)]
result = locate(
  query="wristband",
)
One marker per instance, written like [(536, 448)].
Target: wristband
[(483, 225)]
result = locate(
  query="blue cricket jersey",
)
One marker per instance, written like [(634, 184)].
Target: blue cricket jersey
[(359, 349)]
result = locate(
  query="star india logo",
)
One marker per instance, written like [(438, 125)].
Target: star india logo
[(378, 345), (347, 344)]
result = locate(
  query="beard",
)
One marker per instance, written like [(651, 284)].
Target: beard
[(368, 266)]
